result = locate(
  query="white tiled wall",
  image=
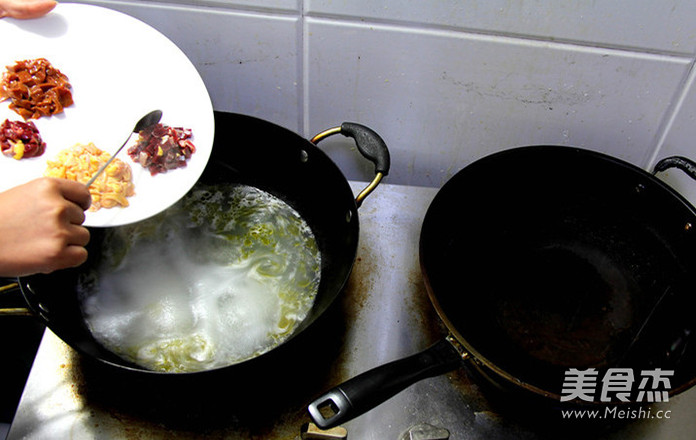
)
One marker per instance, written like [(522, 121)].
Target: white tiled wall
[(448, 81)]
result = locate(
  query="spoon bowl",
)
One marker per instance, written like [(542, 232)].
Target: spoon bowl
[(146, 121)]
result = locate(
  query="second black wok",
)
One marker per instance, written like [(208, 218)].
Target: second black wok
[(540, 260)]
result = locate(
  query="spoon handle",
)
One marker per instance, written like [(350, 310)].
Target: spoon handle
[(146, 121), (108, 162)]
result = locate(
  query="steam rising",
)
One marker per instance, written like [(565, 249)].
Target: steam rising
[(221, 277)]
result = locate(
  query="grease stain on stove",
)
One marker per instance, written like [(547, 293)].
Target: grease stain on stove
[(353, 301), (424, 315), (360, 283)]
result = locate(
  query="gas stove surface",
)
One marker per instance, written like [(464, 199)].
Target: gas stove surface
[(383, 314)]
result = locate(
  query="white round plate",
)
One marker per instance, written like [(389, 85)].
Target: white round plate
[(120, 69)]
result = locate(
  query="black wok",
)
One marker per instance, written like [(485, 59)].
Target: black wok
[(543, 259), (254, 152)]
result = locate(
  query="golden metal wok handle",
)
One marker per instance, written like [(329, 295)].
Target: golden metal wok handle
[(8, 287), (370, 145), (13, 311)]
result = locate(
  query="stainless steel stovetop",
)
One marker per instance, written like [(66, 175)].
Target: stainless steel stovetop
[(384, 314)]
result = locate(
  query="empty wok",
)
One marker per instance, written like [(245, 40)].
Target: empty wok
[(544, 259)]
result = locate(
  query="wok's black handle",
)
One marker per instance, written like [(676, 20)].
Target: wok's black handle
[(364, 392), (370, 145), (684, 164)]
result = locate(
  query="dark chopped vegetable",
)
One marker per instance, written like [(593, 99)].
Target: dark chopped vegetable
[(161, 148), (21, 139)]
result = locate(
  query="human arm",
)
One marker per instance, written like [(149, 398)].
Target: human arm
[(41, 226)]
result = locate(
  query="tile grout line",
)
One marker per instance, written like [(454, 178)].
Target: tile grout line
[(672, 113), (405, 25), (304, 74)]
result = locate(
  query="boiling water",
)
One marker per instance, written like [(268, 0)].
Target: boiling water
[(221, 277)]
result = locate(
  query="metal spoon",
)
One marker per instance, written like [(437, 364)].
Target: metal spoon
[(146, 121)]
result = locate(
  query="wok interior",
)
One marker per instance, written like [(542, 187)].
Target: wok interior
[(548, 258), (252, 152)]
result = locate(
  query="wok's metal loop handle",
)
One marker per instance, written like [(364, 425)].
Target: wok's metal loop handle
[(684, 164), (370, 145), (6, 289), (367, 390)]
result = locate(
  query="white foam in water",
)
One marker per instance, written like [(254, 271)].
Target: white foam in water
[(220, 278)]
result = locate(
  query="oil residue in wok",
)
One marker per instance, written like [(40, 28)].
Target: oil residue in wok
[(221, 277)]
